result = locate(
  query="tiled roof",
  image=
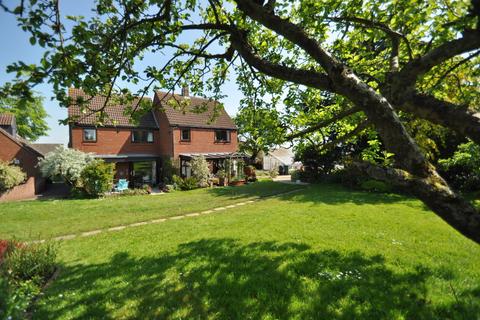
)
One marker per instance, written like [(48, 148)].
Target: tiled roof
[(193, 119), (284, 155), (20, 141), (45, 148), (115, 113), (6, 119)]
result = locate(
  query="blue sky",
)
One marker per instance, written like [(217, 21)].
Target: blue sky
[(17, 47)]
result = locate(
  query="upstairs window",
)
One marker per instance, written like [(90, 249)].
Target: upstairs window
[(90, 135), (142, 136), (185, 135), (222, 136)]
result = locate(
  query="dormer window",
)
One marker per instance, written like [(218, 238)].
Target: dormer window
[(185, 135), (90, 135), (222, 135), (142, 136)]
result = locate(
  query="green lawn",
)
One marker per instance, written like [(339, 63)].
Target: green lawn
[(29, 220), (321, 253)]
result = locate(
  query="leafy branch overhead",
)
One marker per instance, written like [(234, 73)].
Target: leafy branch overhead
[(361, 64)]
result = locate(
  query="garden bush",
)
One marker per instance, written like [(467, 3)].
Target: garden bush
[(67, 164), (169, 188), (189, 183), (295, 175), (462, 170), (10, 176), (130, 192), (168, 169), (200, 170), (250, 173), (273, 173), (97, 178), (24, 269), (185, 183), (29, 261)]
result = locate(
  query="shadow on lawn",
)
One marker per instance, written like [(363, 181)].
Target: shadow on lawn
[(223, 279)]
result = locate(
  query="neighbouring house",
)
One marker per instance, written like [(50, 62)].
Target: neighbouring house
[(18, 151), (45, 148), (8, 123), (188, 133), (140, 149), (281, 159)]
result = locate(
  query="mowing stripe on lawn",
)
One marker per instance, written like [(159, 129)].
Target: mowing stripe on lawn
[(178, 217)]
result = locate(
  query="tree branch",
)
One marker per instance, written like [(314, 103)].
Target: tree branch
[(324, 123), (409, 74), (394, 35), (305, 77), (458, 118), (358, 129), (434, 192)]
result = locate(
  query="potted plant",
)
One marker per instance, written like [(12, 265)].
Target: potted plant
[(250, 174), (237, 182), (222, 178)]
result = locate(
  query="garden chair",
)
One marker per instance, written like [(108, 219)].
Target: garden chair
[(121, 185)]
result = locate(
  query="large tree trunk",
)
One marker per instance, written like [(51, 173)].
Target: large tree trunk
[(435, 193), (419, 175)]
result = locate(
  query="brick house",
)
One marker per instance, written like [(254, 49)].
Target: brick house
[(139, 149), (16, 150)]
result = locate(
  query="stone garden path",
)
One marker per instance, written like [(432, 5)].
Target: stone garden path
[(160, 220)]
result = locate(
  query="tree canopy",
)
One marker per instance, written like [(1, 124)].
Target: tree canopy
[(359, 63), (29, 114), (259, 129)]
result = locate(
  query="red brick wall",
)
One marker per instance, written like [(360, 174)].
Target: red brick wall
[(21, 192), (203, 141), (114, 141), (166, 141), (166, 133), (10, 150)]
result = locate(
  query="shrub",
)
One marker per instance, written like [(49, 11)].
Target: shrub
[(169, 188), (200, 170), (67, 164), (10, 176), (185, 183), (189, 184), (250, 173), (130, 192), (168, 169), (375, 186), (462, 170), (30, 261), (295, 175), (97, 178), (3, 249), (221, 174), (25, 268), (273, 173)]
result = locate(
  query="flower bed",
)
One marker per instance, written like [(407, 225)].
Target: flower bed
[(236, 183), (24, 270)]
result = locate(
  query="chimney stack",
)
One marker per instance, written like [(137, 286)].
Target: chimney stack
[(185, 91)]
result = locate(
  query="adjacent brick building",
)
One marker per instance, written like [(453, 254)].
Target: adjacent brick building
[(140, 148), (17, 151)]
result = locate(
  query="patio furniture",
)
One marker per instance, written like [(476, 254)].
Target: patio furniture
[(121, 185)]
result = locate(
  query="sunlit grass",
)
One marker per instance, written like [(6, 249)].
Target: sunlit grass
[(322, 253)]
